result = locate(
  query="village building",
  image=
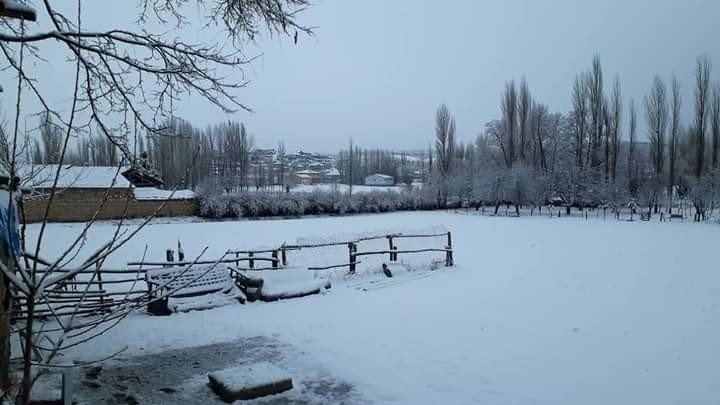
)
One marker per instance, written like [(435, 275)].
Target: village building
[(307, 177), (330, 176), (378, 179)]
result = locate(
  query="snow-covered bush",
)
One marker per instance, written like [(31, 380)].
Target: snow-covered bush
[(261, 204)]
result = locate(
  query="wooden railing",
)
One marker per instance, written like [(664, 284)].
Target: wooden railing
[(90, 291)]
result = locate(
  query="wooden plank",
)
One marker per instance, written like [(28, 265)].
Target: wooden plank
[(385, 252)]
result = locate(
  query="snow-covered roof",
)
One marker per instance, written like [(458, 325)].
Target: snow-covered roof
[(152, 193), (71, 176), (307, 172), (332, 172), (383, 176)]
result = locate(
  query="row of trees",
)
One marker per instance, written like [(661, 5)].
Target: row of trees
[(356, 163), (531, 156), (220, 156), (94, 150)]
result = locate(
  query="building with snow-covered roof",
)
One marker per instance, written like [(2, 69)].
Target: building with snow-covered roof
[(307, 177), (331, 175), (84, 191), (378, 179)]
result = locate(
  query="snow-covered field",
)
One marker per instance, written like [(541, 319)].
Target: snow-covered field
[(537, 310)]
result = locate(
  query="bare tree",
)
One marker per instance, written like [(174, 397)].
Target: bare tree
[(596, 102), (122, 76), (632, 158), (539, 120), (702, 100), (656, 116), (509, 106), (444, 146), (715, 123), (675, 105), (523, 111), (282, 164), (51, 136), (351, 167), (580, 115), (444, 140), (615, 114)]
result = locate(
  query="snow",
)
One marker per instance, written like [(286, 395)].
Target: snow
[(245, 377), (537, 310), (291, 282), (152, 193), (43, 176)]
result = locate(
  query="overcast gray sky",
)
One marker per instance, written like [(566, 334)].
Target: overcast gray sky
[(377, 69)]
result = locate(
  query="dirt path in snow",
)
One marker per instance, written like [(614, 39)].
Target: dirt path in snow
[(180, 376)]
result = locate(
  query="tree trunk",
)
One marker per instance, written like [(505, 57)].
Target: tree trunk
[(6, 302)]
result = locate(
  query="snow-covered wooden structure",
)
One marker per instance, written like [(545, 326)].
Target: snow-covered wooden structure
[(191, 287)]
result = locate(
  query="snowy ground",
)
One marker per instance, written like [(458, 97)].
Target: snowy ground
[(538, 310)]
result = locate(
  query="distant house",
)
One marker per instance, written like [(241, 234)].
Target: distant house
[(307, 177), (379, 180), (330, 175)]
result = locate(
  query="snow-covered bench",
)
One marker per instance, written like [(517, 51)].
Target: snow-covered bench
[(273, 285), (183, 288)]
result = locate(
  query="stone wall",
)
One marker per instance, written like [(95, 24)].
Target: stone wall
[(79, 205)]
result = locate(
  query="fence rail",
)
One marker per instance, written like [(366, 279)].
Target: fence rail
[(97, 298)]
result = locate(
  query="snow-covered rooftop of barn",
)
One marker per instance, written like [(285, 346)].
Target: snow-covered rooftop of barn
[(71, 176)]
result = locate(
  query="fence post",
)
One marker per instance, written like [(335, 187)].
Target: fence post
[(284, 256), (169, 257), (275, 259), (252, 261), (100, 284), (351, 252), (391, 247), (448, 251)]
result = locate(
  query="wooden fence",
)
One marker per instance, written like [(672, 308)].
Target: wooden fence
[(88, 295)]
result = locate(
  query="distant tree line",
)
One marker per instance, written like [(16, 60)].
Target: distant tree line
[(93, 150), (356, 163), (531, 156), (219, 157)]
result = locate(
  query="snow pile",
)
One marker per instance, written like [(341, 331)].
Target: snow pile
[(288, 283), (151, 193), (249, 382)]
